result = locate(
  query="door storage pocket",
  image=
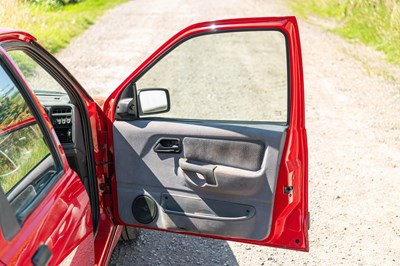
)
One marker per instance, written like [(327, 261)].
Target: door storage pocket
[(205, 208)]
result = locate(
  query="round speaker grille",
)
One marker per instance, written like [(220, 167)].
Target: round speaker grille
[(144, 209)]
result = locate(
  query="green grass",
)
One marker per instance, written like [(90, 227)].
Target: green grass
[(24, 63), (21, 150), (375, 23), (54, 25)]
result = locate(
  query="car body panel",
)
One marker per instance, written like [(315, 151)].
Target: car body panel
[(108, 232), (8, 34), (62, 221)]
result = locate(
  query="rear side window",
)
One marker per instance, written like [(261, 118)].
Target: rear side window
[(25, 159)]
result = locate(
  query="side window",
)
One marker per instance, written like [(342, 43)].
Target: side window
[(38, 78), (226, 76), (25, 159)]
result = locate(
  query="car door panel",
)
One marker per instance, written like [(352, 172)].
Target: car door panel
[(240, 181), (48, 201), (241, 196)]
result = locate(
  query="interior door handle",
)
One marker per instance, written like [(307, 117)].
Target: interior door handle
[(206, 170), (168, 145), (42, 256)]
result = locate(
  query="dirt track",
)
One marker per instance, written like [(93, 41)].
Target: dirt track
[(353, 123)]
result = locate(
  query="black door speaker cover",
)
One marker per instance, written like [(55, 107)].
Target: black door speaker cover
[(144, 209)]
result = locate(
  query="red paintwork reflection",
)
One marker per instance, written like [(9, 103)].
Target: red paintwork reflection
[(18, 125), (290, 213), (57, 222)]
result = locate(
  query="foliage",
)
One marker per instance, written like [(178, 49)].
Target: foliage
[(54, 23), (22, 145), (20, 152), (373, 22), (13, 108), (55, 2)]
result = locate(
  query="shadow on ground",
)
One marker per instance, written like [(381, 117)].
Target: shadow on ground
[(160, 248)]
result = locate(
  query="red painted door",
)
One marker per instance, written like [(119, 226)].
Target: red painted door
[(208, 135), (45, 209)]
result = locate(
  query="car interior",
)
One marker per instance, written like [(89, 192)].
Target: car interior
[(67, 124)]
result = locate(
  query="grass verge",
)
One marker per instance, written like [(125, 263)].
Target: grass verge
[(375, 23), (20, 152), (54, 26)]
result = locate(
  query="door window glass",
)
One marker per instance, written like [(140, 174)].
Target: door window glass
[(39, 80), (225, 76), (22, 146)]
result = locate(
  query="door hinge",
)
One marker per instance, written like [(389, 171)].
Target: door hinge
[(288, 189), (103, 142)]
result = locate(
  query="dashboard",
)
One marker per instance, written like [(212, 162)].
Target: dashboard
[(61, 113), (67, 124), (62, 118)]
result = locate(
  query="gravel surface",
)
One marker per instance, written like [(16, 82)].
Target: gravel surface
[(353, 128)]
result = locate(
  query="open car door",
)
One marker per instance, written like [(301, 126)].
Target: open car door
[(208, 135), (46, 217)]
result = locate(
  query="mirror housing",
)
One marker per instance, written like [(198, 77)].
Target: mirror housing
[(153, 101)]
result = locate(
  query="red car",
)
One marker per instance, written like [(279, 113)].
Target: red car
[(207, 138)]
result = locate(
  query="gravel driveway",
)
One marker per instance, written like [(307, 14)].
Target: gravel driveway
[(353, 123)]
